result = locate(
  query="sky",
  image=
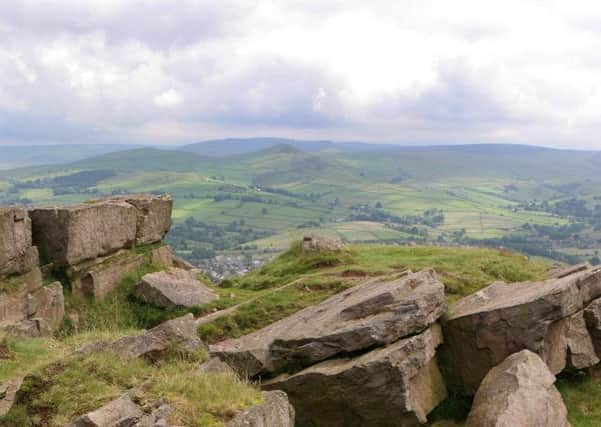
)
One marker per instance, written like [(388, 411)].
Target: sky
[(394, 71)]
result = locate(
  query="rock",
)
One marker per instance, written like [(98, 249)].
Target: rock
[(153, 216), (173, 336), (96, 278), (70, 235), (122, 412), (395, 385), (502, 319), (17, 256), (8, 392), (162, 256), (158, 417), (274, 412), (48, 303), (560, 272), (182, 263), (215, 366), (14, 291), (592, 317), (518, 392), (29, 328), (173, 288), (317, 243), (581, 351), (373, 314)]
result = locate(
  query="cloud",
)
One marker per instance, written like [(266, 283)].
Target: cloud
[(150, 71)]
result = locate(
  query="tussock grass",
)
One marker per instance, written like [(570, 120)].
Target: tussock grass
[(581, 393), (55, 394)]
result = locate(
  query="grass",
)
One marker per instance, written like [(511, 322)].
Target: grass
[(317, 276), (55, 394), (581, 393)]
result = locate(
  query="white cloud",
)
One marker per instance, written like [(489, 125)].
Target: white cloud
[(389, 70)]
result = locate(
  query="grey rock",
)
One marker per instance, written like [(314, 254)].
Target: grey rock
[(182, 263), (162, 256), (395, 385), (518, 392), (48, 303), (215, 366), (121, 412), (318, 243), (580, 349), (560, 272), (96, 278), (276, 411), (72, 234), (17, 256), (28, 328), (592, 317), (14, 292), (177, 335), (153, 216), (373, 314), (503, 319), (173, 288)]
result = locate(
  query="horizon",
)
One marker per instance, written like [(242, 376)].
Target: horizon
[(425, 73)]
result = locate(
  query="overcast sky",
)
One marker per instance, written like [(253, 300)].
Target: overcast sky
[(412, 72)]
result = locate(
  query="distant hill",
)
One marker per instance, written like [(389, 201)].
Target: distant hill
[(237, 146), (17, 156)]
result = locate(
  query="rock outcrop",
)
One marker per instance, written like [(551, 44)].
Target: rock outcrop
[(518, 392), (317, 243), (274, 412), (27, 307), (366, 316), (394, 385), (153, 216), (502, 319), (363, 357), (173, 336), (173, 288)]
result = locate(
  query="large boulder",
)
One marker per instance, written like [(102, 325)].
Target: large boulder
[(173, 336), (17, 256), (14, 291), (173, 288), (96, 278), (518, 392), (318, 243), (153, 216), (121, 412), (592, 317), (394, 385), (72, 234), (48, 303), (503, 319), (373, 314), (274, 412)]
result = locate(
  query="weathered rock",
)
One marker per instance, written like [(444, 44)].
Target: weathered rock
[(372, 314), (17, 256), (28, 328), (158, 417), (518, 392), (173, 336), (215, 366), (162, 256), (581, 351), (14, 291), (182, 263), (122, 412), (48, 303), (274, 412), (173, 288), (8, 392), (592, 317), (395, 385), (560, 272), (96, 278), (153, 216), (69, 235), (317, 243), (502, 319)]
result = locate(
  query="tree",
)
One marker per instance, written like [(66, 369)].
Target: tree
[(378, 205)]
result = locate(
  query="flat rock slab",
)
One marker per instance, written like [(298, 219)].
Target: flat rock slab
[(518, 392), (397, 385), (373, 314), (173, 288), (276, 411), (501, 319)]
